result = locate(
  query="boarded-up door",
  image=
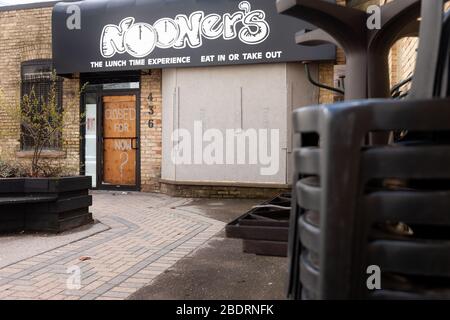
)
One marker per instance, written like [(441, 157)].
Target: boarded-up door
[(119, 140)]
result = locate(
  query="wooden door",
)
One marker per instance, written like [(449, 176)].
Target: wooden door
[(119, 140)]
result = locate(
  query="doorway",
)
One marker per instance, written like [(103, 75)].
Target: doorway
[(120, 140), (110, 146)]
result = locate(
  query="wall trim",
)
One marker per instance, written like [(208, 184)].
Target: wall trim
[(225, 184)]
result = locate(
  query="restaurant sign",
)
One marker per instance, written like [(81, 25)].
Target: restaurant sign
[(113, 35)]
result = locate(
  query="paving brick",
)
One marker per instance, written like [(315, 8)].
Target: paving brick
[(122, 259), (116, 294), (124, 289)]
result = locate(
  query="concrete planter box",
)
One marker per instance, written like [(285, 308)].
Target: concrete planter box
[(44, 204)]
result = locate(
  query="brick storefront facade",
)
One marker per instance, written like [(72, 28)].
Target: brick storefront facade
[(27, 35)]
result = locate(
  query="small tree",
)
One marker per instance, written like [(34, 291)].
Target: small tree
[(42, 120)]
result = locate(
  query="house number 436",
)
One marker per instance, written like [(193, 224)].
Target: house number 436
[(151, 111)]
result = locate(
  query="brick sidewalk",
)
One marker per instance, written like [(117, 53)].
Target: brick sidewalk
[(147, 235)]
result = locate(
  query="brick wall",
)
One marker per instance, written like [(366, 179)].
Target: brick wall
[(224, 192), (402, 59), (406, 57), (151, 138), (26, 35)]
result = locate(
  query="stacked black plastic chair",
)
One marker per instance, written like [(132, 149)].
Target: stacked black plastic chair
[(366, 50), (356, 206)]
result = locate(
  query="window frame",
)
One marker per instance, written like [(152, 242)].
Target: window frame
[(24, 146)]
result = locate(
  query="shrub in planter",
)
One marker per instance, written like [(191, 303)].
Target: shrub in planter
[(40, 195), (11, 170)]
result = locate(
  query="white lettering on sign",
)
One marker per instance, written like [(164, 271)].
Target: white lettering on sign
[(140, 39), (127, 114), (121, 127), (122, 145)]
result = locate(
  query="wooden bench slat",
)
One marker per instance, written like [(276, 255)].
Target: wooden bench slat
[(26, 199)]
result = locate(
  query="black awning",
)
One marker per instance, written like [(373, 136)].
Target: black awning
[(114, 35)]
